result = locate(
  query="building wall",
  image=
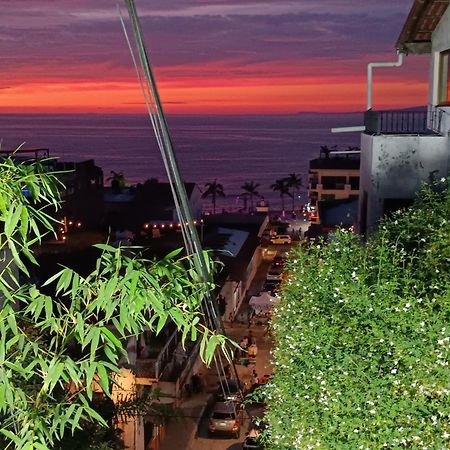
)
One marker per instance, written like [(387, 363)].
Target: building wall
[(394, 166), (440, 42), (235, 291), (338, 193)]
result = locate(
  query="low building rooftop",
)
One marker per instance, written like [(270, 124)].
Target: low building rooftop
[(348, 163)]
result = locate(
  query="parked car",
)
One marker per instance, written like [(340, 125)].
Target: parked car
[(233, 391), (251, 443), (281, 239), (224, 419), (275, 274), (278, 261), (272, 286)]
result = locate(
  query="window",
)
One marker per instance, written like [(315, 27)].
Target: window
[(329, 182), (444, 78), (354, 183)]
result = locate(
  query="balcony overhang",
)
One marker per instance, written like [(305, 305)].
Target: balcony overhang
[(422, 20)]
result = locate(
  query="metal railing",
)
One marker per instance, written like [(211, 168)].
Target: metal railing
[(403, 122), (153, 367)]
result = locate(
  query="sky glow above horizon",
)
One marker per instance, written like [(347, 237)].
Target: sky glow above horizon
[(215, 56)]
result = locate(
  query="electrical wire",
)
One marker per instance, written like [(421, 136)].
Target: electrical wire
[(189, 232)]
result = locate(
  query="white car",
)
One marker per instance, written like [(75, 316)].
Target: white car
[(281, 239)]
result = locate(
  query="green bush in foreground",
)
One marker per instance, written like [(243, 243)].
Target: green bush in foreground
[(52, 349), (363, 337)]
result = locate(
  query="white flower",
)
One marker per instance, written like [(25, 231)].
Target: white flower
[(394, 371)]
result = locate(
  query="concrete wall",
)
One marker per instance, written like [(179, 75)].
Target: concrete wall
[(394, 166)]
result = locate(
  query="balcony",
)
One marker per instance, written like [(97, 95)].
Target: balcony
[(403, 122)]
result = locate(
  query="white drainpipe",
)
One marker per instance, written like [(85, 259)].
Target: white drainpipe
[(371, 65)]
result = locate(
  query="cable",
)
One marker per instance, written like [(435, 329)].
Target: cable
[(159, 123)]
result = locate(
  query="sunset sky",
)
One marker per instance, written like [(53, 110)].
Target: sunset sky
[(209, 56)]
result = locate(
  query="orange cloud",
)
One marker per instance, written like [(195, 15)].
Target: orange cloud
[(218, 96)]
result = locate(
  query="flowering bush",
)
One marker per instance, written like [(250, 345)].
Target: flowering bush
[(363, 338)]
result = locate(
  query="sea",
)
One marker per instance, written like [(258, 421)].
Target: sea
[(229, 149)]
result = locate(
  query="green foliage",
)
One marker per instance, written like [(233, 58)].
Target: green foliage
[(363, 339), (53, 350)]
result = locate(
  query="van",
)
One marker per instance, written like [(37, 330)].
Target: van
[(281, 239)]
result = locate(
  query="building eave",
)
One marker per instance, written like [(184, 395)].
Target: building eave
[(415, 37)]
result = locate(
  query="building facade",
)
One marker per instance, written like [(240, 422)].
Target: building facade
[(402, 149), (332, 177)]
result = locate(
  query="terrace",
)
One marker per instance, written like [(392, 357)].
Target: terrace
[(419, 122)]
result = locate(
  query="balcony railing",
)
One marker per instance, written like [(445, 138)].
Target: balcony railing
[(403, 122)]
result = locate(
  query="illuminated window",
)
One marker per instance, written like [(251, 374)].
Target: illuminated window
[(444, 78)]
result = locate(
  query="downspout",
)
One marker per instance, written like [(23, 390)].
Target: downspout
[(371, 65)]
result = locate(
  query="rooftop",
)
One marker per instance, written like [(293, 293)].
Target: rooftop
[(341, 162), (415, 37)]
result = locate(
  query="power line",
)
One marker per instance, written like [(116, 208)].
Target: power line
[(189, 232)]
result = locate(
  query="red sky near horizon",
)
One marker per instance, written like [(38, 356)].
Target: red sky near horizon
[(217, 57)]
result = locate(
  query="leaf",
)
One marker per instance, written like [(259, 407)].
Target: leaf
[(174, 253), (103, 379), (12, 219), (76, 419), (10, 436)]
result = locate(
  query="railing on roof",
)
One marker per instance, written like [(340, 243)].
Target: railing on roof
[(403, 121)]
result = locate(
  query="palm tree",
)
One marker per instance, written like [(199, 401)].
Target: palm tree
[(295, 182), (282, 187), (213, 189), (117, 181), (250, 190)]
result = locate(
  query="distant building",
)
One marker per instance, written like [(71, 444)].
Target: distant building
[(82, 190), (333, 176), (83, 193), (236, 237), (149, 203), (403, 148)]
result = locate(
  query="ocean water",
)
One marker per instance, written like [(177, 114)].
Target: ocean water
[(230, 149)]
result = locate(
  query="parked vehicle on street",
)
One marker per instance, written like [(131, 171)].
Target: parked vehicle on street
[(231, 391), (251, 443), (275, 274), (224, 419), (281, 239), (278, 261), (271, 286)]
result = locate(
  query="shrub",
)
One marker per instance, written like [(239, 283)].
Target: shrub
[(363, 337)]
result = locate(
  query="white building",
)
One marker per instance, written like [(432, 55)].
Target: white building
[(332, 177), (402, 149)]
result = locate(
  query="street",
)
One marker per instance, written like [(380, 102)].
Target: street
[(262, 366)]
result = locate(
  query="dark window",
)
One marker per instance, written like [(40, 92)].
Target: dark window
[(444, 78), (223, 416), (333, 182), (354, 183)]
